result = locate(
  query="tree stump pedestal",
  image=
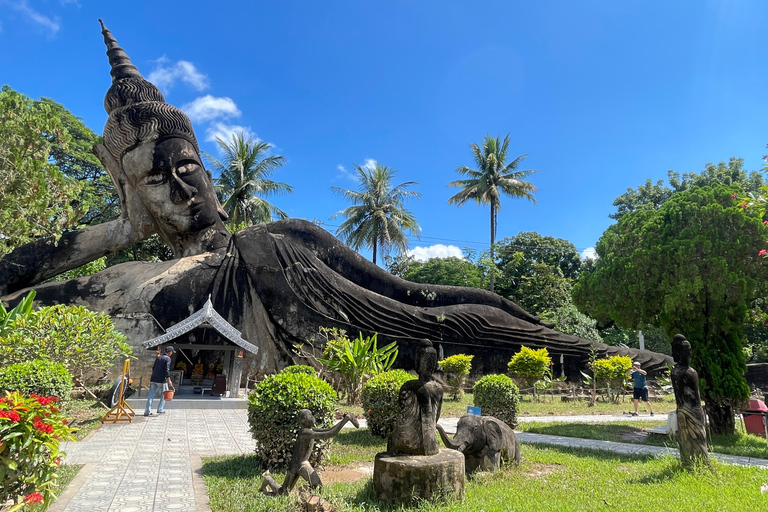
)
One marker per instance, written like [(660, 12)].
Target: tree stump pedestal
[(400, 478)]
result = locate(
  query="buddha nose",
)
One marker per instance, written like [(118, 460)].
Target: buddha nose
[(181, 192)]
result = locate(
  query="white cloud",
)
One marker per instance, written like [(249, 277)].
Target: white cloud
[(435, 251), (370, 164), (588, 253), (206, 108), (52, 24), (165, 76), (345, 173), (225, 131)]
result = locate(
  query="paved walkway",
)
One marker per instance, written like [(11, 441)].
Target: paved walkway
[(153, 464)]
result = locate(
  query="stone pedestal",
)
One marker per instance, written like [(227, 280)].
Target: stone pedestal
[(400, 478)]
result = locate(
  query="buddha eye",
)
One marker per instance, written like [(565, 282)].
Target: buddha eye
[(187, 168), (156, 178)]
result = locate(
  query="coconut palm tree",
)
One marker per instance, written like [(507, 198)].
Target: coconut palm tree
[(492, 178), (378, 218), (243, 184)]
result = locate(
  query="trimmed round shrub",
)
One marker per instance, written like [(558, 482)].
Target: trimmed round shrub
[(498, 396), (300, 368), (379, 398), (457, 367), (273, 408), (530, 365), (41, 377)]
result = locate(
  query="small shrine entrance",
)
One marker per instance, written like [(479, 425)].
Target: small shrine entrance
[(209, 354)]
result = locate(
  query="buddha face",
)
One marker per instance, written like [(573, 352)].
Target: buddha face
[(171, 181)]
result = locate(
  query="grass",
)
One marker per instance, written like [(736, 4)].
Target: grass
[(66, 474), (84, 415), (548, 478), (739, 443)]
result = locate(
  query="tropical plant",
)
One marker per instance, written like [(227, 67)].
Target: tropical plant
[(569, 320), (530, 366), (21, 309), (83, 341), (355, 360), (380, 400), (457, 367), (243, 181), (498, 396), (492, 178), (30, 431), (378, 218), (273, 408)]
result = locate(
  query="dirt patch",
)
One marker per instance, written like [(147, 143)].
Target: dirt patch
[(542, 470), (347, 473)]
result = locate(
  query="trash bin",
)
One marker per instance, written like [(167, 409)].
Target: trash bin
[(755, 417)]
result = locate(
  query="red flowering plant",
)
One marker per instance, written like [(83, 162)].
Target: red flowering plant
[(30, 431)]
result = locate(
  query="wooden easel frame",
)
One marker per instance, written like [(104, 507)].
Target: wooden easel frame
[(122, 411)]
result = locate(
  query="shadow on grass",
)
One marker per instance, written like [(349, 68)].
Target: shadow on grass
[(592, 453), (604, 432)]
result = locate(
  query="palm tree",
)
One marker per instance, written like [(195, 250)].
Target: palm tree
[(243, 184), (493, 178), (378, 217)]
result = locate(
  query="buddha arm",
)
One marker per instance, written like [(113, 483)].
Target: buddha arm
[(35, 262)]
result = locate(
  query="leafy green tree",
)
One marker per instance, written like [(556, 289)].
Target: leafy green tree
[(378, 218), (655, 338), (450, 271), (36, 198), (457, 367), (569, 320), (492, 178), (243, 182), (692, 267), (651, 196)]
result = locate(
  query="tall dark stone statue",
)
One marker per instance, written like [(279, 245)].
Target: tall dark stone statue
[(691, 432), (276, 283), (420, 401)]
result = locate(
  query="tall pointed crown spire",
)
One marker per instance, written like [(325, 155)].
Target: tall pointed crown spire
[(122, 67)]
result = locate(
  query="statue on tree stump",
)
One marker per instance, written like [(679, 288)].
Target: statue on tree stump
[(276, 282)]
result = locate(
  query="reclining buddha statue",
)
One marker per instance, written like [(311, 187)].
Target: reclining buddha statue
[(277, 283)]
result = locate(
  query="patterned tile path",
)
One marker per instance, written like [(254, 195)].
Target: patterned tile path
[(153, 464)]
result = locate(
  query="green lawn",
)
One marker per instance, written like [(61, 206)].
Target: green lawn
[(547, 479)]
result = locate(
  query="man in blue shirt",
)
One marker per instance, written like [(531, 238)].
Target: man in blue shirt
[(641, 389), (160, 379)]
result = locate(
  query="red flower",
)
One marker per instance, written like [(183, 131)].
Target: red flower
[(58, 461), (13, 416), (762, 252), (35, 497), (65, 422), (43, 428), (743, 205), (765, 223), (733, 196)]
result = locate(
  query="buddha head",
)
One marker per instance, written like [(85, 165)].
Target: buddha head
[(681, 350), (151, 154), (426, 360)]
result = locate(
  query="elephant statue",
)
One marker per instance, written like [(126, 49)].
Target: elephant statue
[(484, 441)]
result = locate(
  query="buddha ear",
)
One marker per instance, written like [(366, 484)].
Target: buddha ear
[(131, 205)]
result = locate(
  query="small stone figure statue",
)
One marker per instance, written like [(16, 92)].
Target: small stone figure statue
[(299, 465), (420, 402), (691, 433)]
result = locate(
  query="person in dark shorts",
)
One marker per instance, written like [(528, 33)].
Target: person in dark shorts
[(640, 387)]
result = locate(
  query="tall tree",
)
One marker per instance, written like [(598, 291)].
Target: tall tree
[(244, 180), (36, 198), (692, 267), (378, 218), (492, 178)]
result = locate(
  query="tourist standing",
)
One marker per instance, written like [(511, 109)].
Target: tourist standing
[(640, 386), (161, 379)]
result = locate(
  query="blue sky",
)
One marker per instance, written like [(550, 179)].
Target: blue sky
[(600, 95)]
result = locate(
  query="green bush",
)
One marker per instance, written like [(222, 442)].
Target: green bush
[(530, 365), (30, 431), (300, 368), (457, 367), (83, 341), (40, 377), (613, 373), (379, 398), (498, 396), (273, 409)]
